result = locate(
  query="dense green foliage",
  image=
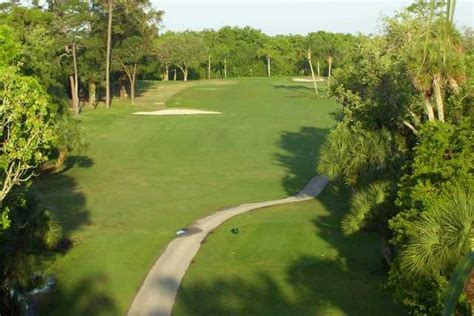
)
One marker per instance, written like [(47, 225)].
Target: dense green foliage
[(64, 44), (28, 133), (405, 145), (244, 52), (32, 237), (31, 136)]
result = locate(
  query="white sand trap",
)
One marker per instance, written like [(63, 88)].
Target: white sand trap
[(159, 103), (177, 112), (306, 79), (207, 89)]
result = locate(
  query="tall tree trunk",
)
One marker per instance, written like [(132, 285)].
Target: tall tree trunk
[(76, 81), (123, 90), (319, 69), (438, 97), (428, 106), (132, 90), (132, 79), (386, 250), (269, 71), (174, 75), (312, 72), (209, 67), (225, 68), (92, 94), (61, 157), (73, 91), (329, 69), (185, 74), (109, 51), (167, 72)]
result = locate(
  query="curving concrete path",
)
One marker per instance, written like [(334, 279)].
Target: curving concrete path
[(157, 294)]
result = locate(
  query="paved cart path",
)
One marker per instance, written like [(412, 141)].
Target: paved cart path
[(157, 294)]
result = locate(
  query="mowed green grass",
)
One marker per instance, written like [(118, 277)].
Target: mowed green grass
[(287, 260), (145, 177)]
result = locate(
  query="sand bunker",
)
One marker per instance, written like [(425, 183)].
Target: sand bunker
[(306, 79), (176, 112), (207, 89)]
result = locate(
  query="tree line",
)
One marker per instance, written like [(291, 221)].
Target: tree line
[(240, 52), (404, 146), (83, 51)]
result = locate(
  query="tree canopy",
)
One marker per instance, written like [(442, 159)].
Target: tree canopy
[(404, 145)]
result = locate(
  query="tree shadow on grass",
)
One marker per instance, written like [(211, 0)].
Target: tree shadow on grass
[(233, 296), (88, 297), (300, 156), (291, 87), (346, 280), (59, 193), (77, 161), (345, 283), (297, 91), (359, 255), (144, 86)]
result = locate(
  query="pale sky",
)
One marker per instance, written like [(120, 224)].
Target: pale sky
[(286, 16)]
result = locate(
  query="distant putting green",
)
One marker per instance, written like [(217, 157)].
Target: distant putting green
[(146, 176), (287, 260)]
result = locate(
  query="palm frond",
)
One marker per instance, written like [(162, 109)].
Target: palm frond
[(457, 282), (450, 9), (364, 206), (361, 206), (443, 234), (350, 152)]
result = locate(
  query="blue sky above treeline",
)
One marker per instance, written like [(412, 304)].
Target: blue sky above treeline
[(285, 17)]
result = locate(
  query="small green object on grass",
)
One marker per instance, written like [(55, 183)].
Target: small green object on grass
[(235, 230)]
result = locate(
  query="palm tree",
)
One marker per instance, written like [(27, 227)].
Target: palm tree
[(110, 4), (366, 205), (435, 61), (421, 80), (442, 236), (358, 156), (351, 152), (441, 68), (268, 51), (369, 208), (308, 57)]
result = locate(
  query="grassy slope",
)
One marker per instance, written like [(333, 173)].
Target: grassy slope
[(287, 260), (144, 177)]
